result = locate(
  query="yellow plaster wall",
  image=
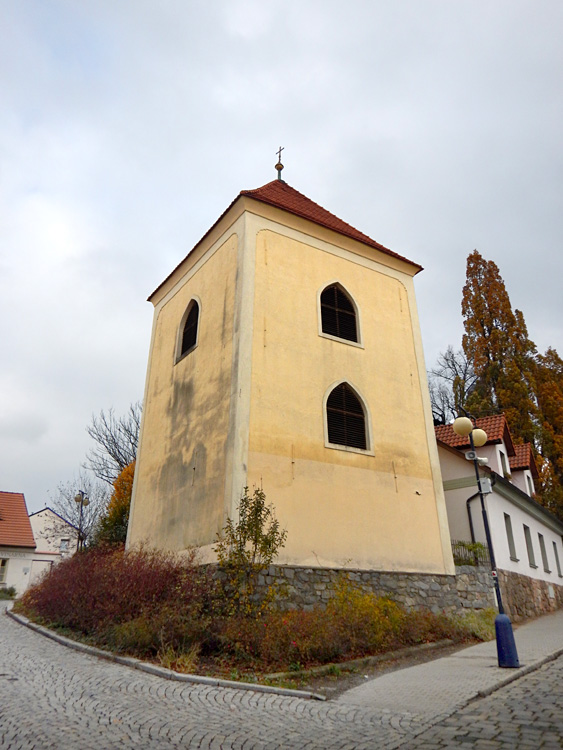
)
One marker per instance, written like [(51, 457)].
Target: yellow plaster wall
[(340, 508), (180, 479)]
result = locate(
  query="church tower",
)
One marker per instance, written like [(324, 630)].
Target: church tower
[(286, 353)]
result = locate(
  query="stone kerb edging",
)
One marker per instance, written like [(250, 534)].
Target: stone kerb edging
[(516, 674), (153, 669), (364, 661)]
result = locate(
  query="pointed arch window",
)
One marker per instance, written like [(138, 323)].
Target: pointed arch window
[(346, 418), (189, 334), (338, 314)]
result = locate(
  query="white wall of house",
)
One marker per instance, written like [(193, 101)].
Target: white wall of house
[(524, 481), (16, 568), (546, 565), (509, 499), (21, 568), (52, 533)]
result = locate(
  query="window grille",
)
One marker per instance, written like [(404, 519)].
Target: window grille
[(189, 335), (346, 420), (470, 553), (338, 314)]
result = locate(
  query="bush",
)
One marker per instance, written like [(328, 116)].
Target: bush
[(140, 600), (8, 593), (280, 639), (246, 547), (365, 623), (355, 623), (426, 627), (159, 605)]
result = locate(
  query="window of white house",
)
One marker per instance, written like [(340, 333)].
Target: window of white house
[(345, 418), (510, 537), (530, 485), (64, 545), (557, 563), (543, 554), (3, 569), (338, 314), (530, 547), (503, 463)]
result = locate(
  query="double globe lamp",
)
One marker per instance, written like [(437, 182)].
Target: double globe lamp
[(506, 647), (84, 502)]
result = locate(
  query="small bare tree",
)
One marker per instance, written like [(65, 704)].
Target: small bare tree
[(450, 381), (64, 503), (116, 440)]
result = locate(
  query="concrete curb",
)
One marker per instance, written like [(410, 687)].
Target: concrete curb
[(365, 661), (153, 669), (516, 674)]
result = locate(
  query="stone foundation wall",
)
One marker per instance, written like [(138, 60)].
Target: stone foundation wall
[(475, 587), (471, 588), (525, 597), (305, 588)]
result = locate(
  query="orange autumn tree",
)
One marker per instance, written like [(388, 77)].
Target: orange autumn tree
[(113, 525), (549, 379), (511, 376), (496, 343)]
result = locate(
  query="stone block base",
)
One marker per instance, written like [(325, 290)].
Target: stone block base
[(525, 597), (305, 588), (471, 588)]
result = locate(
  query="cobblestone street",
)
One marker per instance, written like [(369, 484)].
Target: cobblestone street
[(55, 697), (528, 713)]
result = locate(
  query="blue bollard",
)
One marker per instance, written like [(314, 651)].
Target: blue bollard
[(506, 647)]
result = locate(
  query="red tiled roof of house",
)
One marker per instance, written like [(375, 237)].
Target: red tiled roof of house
[(495, 426), (281, 195), (524, 459), (15, 528)]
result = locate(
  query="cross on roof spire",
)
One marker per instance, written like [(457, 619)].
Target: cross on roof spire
[(279, 165)]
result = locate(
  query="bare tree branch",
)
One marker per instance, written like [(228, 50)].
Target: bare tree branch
[(66, 506), (116, 442), (450, 382)]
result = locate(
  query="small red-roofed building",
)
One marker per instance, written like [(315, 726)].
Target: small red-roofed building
[(527, 539), (25, 557), (17, 544)]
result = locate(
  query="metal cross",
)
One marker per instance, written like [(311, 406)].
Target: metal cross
[(279, 165)]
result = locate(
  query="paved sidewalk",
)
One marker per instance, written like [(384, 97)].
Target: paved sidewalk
[(434, 690)]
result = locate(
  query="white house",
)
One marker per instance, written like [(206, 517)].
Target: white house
[(22, 561), (54, 535), (527, 539)]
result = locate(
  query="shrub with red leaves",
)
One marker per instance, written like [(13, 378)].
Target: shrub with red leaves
[(104, 588)]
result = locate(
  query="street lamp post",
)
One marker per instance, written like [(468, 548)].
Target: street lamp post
[(506, 647), (84, 502)]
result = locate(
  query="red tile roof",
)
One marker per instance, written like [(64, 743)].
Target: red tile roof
[(524, 459), (495, 426), (15, 528), (281, 195)]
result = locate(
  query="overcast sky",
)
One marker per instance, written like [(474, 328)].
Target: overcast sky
[(128, 126)]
